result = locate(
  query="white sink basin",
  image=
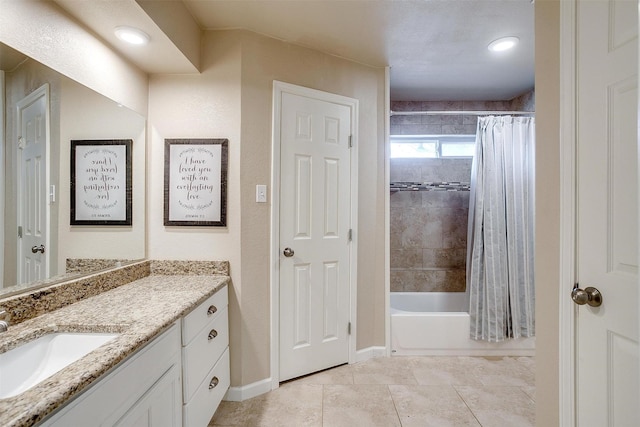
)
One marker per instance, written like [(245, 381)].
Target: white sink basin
[(25, 366)]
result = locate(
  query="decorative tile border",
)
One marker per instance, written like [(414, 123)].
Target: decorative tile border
[(429, 186)]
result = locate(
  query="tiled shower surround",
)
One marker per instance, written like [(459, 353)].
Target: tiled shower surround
[(451, 124), (429, 227), (429, 224)]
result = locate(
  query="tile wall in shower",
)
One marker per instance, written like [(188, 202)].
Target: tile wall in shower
[(451, 124), (429, 225)]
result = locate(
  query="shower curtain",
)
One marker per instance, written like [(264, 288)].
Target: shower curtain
[(500, 239)]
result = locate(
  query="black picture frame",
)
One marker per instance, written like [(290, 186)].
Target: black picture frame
[(101, 186), (195, 182)]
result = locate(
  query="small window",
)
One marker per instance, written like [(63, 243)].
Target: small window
[(414, 149), (430, 146), (457, 149)]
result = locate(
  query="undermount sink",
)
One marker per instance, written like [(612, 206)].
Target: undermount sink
[(27, 365)]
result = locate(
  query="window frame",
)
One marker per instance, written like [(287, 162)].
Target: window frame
[(439, 141)]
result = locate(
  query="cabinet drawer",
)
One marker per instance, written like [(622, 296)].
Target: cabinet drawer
[(203, 314), (203, 352), (199, 411)]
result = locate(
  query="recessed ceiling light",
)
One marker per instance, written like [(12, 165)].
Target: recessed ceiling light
[(132, 35), (503, 43)]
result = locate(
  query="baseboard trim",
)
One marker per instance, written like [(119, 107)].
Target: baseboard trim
[(370, 353), (238, 394)]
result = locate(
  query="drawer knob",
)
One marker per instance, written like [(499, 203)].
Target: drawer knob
[(214, 382), (212, 309), (213, 334)]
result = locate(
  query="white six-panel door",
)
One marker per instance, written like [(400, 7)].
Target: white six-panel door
[(607, 232), (32, 186), (315, 186)]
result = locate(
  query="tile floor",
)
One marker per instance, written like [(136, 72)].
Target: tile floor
[(398, 391)]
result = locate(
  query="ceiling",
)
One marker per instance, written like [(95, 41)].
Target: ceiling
[(436, 49)]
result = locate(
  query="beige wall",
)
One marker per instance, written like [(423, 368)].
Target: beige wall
[(232, 98), (200, 106), (547, 252)]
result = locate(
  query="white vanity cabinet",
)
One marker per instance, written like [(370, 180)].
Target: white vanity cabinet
[(205, 359), (178, 379), (143, 391)]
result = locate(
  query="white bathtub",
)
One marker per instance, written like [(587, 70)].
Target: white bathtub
[(437, 324)]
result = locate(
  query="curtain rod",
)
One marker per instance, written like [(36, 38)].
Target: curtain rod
[(458, 113)]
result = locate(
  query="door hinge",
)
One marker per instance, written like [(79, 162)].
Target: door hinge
[(20, 143), (350, 141), (350, 235), (20, 231), (349, 328)]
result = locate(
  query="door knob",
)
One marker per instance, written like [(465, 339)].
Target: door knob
[(288, 252), (36, 249), (588, 295)]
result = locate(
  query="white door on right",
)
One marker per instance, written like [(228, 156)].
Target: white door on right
[(607, 234)]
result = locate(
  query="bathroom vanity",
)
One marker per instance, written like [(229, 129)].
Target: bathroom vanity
[(167, 366)]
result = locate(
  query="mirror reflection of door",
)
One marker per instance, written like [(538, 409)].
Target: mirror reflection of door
[(32, 180)]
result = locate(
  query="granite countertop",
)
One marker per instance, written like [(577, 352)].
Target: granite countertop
[(138, 311)]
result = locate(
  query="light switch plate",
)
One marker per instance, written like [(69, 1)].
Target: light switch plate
[(261, 193)]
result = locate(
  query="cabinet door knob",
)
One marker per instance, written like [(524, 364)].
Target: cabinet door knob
[(213, 334), (212, 309), (214, 382)]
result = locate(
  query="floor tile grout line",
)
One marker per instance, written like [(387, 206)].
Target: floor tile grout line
[(322, 405), (395, 407), (527, 394), (467, 405)]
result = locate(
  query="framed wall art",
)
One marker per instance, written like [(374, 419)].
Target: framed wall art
[(195, 182), (101, 190)]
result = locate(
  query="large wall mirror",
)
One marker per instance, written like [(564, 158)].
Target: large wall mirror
[(40, 103)]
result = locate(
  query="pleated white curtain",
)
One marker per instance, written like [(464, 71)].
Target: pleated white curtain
[(501, 229)]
